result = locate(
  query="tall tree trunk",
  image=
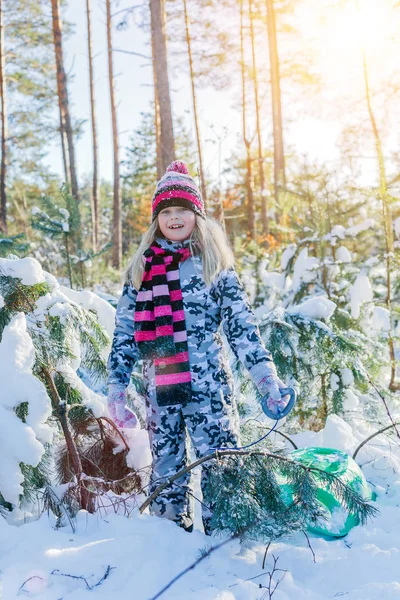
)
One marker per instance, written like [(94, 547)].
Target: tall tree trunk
[(64, 145), (117, 205), (279, 157), (160, 171), (167, 143), (387, 222), (247, 142), (63, 95), (95, 185), (196, 120), (3, 168), (264, 217)]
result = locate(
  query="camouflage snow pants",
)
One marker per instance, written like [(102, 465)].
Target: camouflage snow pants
[(204, 423)]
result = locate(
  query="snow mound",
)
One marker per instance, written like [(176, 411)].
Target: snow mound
[(319, 307), (360, 292), (27, 269), (20, 442)]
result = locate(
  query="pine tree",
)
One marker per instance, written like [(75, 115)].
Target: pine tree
[(67, 341)]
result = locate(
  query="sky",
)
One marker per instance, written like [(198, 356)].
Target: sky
[(312, 128)]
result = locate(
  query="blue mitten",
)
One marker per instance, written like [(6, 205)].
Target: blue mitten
[(274, 403), (121, 414)]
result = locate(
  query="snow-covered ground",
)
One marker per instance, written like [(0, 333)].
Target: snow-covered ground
[(141, 554), (145, 553)]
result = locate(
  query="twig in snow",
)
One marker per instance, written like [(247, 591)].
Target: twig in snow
[(89, 587), (271, 588), (265, 554), (356, 451), (309, 545), (193, 565), (26, 581)]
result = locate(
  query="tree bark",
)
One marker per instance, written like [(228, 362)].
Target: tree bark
[(264, 217), (157, 125), (196, 120), (279, 157), (64, 145), (3, 167), (247, 142), (95, 185), (117, 217), (63, 95), (160, 65)]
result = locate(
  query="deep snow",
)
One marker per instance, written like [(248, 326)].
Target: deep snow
[(146, 552)]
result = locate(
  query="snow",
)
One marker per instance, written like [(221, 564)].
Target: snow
[(304, 269), (91, 301), (27, 269), (318, 307), (350, 400), (381, 319), (287, 254), (360, 292), (1, 301), (145, 552), (396, 227), (343, 254), (356, 229), (338, 231), (347, 376), (274, 280), (20, 442), (334, 382)]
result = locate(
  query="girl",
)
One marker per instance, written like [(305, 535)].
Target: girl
[(180, 287)]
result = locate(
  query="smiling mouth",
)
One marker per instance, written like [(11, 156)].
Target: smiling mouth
[(175, 227)]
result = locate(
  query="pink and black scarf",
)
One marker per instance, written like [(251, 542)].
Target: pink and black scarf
[(160, 328)]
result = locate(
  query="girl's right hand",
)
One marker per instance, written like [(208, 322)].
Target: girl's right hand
[(121, 414)]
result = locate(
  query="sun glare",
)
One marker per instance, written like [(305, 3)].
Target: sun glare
[(361, 24)]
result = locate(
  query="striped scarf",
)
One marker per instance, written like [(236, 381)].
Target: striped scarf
[(160, 328)]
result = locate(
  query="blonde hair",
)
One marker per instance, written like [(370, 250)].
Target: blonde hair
[(208, 240)]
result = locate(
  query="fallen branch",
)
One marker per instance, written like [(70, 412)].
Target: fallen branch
[(231, 452)]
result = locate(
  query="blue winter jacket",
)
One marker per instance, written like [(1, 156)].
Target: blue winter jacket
[(225, 303)]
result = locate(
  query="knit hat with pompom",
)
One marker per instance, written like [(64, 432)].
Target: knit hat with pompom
[(177, 188)]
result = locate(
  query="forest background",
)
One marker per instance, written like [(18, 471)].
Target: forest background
[(278, 108)]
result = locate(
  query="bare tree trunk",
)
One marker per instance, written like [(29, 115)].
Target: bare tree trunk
[(63, 95), (64, 145), (117, 206), (264, 217), (279, 157), (3, 168), (160, 171), (160, 65), (387, 222), (196, 120), (247, 142), (95, 185)]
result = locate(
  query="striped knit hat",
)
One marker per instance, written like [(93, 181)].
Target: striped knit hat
[(177, 188)]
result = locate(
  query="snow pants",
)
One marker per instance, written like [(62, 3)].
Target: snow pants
[(203, 423)]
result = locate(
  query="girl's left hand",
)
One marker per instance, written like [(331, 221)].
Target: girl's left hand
[(270, 388)]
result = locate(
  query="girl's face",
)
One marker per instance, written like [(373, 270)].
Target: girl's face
[(176, 223)]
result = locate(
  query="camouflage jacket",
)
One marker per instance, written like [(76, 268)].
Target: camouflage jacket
[(206, 308)]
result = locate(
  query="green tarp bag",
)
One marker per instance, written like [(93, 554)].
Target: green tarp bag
[(338, 521)]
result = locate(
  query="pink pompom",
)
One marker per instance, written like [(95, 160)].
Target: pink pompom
[(178, 167)]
